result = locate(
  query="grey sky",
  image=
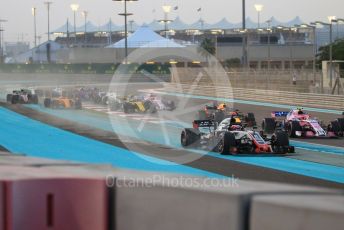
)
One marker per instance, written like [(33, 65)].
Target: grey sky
[(20, 20)]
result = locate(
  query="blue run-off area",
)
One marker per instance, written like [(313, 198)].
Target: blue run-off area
[(152, 133), (20, 134)]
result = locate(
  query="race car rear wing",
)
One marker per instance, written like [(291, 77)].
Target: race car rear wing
[(278, 114), (203, 124)]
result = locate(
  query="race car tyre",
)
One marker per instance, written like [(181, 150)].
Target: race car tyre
[(171, 105), (15, 99), (105, 100), (250, 119), (228, 143), (97, 99), (341, 123), (55, 104), (335, 127), (189, 137), (9, 98), (150, 107), (282, 138), (293, 127), (47, 103), (115, 106), (280, 142), (202, 115), (128, 108), (268, 125), (78, 104), (34, 99), (219, 116)]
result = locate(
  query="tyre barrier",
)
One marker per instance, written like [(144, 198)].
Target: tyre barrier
[(80, 196)]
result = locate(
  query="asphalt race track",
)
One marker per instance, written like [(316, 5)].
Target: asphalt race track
[(316, 162), (205, 166)]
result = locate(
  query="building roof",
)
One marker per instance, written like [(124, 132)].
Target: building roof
[(179, 24), (90, 27), (145, 37)]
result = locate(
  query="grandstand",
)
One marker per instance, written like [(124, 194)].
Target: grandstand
[(285, 48)]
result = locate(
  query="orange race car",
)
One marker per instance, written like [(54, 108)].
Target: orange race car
[(62, 103)]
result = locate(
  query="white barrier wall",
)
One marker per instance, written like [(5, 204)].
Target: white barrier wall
[(101, 197), (293, 212)]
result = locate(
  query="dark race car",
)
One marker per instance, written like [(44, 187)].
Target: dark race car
[(23, 96), (218, 112), (231, 138)]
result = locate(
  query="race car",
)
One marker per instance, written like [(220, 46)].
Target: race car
[(62, 103), (160, 103), (231, 138), (57, 92), (86, 93), (100, 97), (23, 96), (218, 112), (298, 123), (134, 104), (114, 102)]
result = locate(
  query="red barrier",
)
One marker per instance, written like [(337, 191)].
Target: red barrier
[(38, 199), (2, 206)]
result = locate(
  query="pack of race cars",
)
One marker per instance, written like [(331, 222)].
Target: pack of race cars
[(55, 99), (221, 130), (58, 98), (216, 128), (141, 103)]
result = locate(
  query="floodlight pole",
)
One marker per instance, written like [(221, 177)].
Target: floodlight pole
[(110, 31), (85, 13), (331, 40), (244, 39), (125, 14), (331, 56), (126, 31), (315, 49), (1, 50), (48, 8), (34, 12), (1, 41), (74, 8)]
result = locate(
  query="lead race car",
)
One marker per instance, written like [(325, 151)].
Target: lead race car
[(230, 137), (298, 123)]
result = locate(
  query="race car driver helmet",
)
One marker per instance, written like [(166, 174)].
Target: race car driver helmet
[(300, 112)]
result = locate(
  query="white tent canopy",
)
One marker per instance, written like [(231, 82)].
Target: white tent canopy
[(144, 37), (178, 24)]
